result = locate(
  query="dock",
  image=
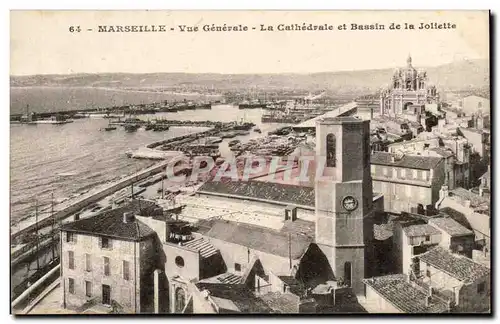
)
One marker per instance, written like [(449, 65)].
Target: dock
[(72, 206)]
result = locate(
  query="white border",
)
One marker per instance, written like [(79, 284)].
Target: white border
[(188, 4)]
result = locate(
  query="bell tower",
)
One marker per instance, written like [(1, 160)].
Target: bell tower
[(344, 198)]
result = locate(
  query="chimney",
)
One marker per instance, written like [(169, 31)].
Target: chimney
[(128, 217), (205, 293)]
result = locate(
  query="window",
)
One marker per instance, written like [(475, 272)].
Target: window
[(106, 266), (384, 171), (331, 150), (71, 259), (105, 243), (88, 289), (481, 288), (180, 300), (71, 285), (126, 270), (106, 295), (70, 237), (347, 273), (179, 261), (403, 173), (427, 238), (237, 267), (428, 273), (88, 265)]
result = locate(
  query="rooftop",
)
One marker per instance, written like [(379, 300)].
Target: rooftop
[(450, 226), (459, 267), (204, 248), (442, 151), (284, 193), (475, 199), (382, 232), (407, 161), (259, 238), (281, 303), (403, 295), (234, 298), (420, 230), (110, 223)]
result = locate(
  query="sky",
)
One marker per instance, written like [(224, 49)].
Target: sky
[(41, 42)]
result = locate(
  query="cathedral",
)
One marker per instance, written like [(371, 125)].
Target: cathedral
[(408, 88)]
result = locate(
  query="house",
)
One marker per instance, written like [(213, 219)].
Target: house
[(470, 210), (107, 260), (465, 282), (454, 237), (395, 294), (408, 182), (474, 104), (411, 239)]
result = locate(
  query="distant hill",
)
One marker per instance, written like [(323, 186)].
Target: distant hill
[(454, 76)]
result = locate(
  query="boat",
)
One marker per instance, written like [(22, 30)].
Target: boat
[(54, 120), (252, 105), (257, 130), (132, 128), (109, 127), (160, 128), (213, 140), (204, 106), (233, 142), (149, 127)]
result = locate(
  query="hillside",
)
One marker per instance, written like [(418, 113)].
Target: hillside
[(454, 76)]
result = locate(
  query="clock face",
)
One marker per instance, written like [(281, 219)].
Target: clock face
[(349, 203)]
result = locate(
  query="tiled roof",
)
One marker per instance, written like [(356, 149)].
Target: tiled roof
[(259, 238), (237, 298), (299, 226), (110, 224), (382, 232), (420, 230), (282, 303), (407, 161), (403, 295), (201, 245), (289, 194), (459, 267), (475, 199), (442, 151), (450, 226)]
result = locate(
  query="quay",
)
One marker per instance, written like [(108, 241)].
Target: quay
[(70, 207)]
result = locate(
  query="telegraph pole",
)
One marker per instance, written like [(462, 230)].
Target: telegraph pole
[(37, 237), (53, 226)]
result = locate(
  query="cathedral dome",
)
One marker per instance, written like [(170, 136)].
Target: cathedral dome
[(409, 73)]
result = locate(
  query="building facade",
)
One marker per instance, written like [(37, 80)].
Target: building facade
[(107, 267), (409, 183), (344, 198), (407, 92)]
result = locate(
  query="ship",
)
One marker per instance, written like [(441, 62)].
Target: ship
[(204, 106), (160, 127), (54, 120), (234, 142), (131, 127), (252, 105)]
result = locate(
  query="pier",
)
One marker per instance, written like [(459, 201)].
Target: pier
[(70, 207)]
